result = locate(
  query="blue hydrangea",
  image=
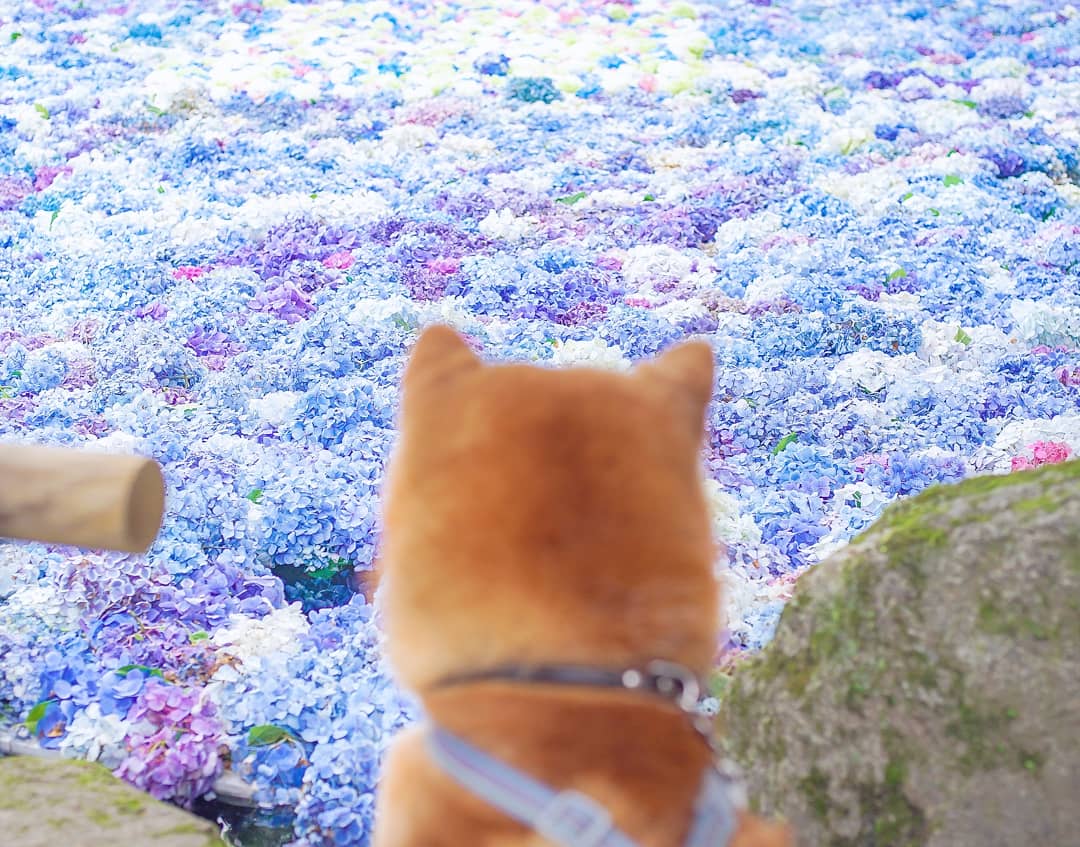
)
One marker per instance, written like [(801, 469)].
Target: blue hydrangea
[(884, 262)]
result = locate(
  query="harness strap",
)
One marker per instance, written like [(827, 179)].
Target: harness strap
[(714, 813), (569, 818)]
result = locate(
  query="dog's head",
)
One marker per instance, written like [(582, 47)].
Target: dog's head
[(538, 515)]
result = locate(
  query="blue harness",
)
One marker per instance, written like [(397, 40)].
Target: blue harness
[(569, 818)]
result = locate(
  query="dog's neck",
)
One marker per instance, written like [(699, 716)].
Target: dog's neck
[(670, 692), (660, 678)]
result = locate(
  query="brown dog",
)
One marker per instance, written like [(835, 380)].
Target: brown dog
[(534, 517)]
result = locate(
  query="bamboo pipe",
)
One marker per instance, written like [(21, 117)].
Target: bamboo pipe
[(94, 500)]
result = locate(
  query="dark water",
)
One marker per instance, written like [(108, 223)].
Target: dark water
[(243, 827)]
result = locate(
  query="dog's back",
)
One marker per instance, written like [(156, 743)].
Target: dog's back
[(543, 517)]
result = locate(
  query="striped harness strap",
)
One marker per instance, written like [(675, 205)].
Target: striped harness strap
[(569, 818)]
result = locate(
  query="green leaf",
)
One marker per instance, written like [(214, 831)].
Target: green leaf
[(952, 179), (53, 218), (783, 443), (962, 337), (857, 498), (42, 110), (331, 569), (649, 198), (971, 104), (266, 734), (36, 714), (161, 189), (154, 110), (255, 495), (718, 684), (126, 669), (897, 274), (571, 199), (934, 212), (907, 196), (15, 36), (196, 637)]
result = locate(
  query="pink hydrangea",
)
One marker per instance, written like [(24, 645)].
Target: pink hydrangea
[(173, 752), (1043, 453), (188, 272), (342, 260)]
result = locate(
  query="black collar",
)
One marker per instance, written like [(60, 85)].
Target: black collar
[(668, 680)]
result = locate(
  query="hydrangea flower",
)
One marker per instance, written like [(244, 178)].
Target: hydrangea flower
[(223, 260)]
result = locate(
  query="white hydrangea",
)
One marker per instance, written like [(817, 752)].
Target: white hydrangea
[(1043, 323), (506, 225), (592, 353), (251, 640), (96, 737), (1018, 435), (730, 524), (872, 370), (275, 408), (644, 265)]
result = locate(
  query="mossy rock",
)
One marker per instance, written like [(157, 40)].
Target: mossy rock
[(923, 688), (50, 802)]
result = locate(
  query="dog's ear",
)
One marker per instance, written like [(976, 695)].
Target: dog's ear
[(687, 372), (439, 355)]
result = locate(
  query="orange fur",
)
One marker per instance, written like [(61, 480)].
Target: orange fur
[(535, 516)]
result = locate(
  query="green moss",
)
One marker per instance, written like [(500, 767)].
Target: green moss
[(920, 671), (983, 735), (909, 543), (895, 773), (1032, 762), (887, 817), (1012, 622), (799, 679), (863, 680), (914, 517), (130, 803), (815, 788), (892, 818), (193, 828), (982, 485), (773, 747), (1047, 503), (94, 776), (835, 628), (95, 796)]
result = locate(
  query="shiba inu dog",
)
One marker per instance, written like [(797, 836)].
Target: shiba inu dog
[(548, 591)]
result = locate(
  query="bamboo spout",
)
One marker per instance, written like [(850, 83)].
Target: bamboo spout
[(92, 500)]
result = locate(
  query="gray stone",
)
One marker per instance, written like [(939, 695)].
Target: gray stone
[(923, 687), (64, 803)]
